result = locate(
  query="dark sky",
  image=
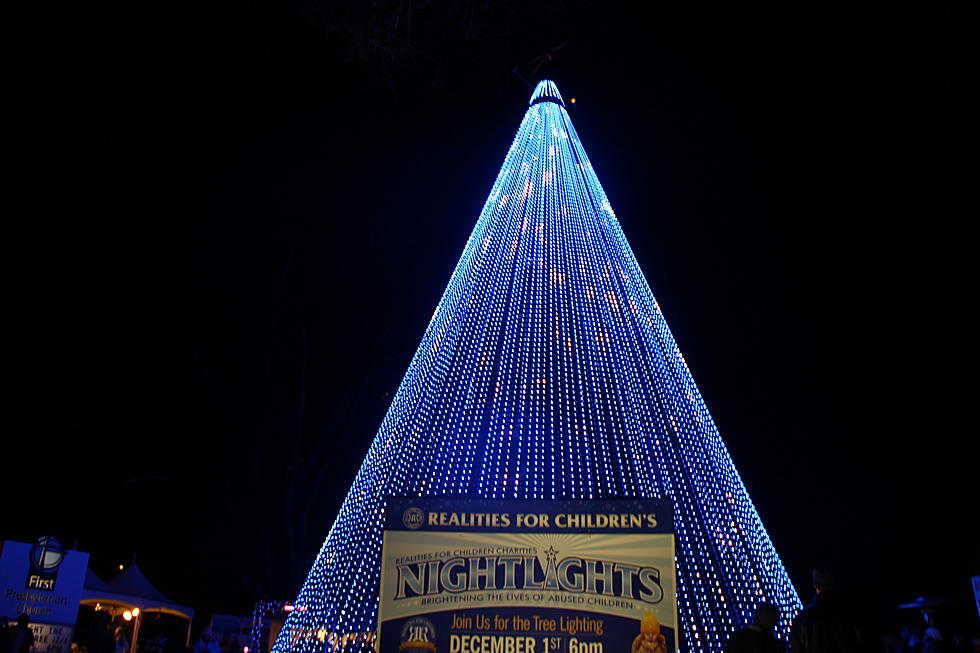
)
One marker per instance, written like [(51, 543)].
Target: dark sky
[(228, 224)]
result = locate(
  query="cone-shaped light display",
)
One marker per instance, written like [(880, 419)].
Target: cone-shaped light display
[(548, 371)]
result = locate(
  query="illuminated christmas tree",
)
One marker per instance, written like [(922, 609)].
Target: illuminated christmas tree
[(548, 371)]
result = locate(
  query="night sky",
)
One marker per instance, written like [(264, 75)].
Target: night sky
[(227, 226)]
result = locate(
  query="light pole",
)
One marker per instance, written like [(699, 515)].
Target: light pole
[(129, 615)]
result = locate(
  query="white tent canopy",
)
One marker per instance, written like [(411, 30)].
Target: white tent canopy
[(131, 589)]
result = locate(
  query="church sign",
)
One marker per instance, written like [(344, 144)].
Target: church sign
[(44, 582), (500, 576)]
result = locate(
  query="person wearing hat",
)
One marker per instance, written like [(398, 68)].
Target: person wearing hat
[(826, 625), (758, 636)]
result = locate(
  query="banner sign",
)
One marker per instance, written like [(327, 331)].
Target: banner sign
[(44, 582), (500, 576)]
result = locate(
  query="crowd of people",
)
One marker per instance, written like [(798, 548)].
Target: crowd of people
[(17, 638), (103, 638), (829, 624)]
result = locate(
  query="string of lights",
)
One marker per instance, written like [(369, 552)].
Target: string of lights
[(548, 371)]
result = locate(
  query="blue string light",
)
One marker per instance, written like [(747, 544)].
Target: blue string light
[(548, 371)]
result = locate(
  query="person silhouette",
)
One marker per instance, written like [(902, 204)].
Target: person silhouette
[(758, 637), (207, 643), (825, 625), (18, 639)]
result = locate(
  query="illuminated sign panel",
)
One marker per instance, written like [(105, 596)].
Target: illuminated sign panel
[(43, 581), (501, 576)]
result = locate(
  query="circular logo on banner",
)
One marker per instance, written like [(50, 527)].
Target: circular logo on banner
[(418, 634), (47, 554), (413, 518)]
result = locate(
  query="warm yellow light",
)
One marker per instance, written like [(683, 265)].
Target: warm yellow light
[(136, 612), (120, 567), (127, 615), (573, 100)]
